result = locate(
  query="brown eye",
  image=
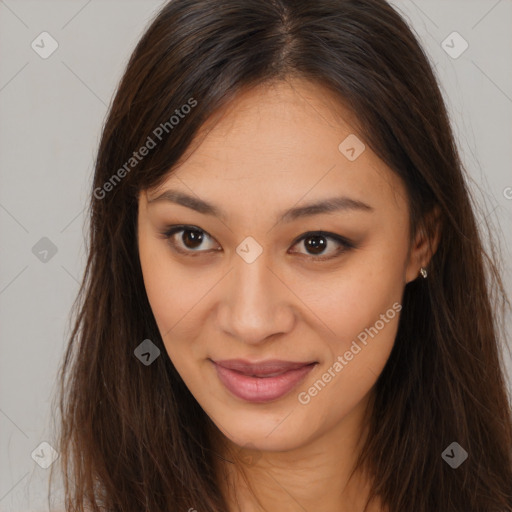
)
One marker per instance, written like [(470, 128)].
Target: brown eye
[(323, 246), (191, 238), (192, 241), (319, 245), (315, 244)]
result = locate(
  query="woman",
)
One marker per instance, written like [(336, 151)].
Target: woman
[(287, 304)]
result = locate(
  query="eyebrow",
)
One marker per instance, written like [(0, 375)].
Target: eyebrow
[(329, 205)]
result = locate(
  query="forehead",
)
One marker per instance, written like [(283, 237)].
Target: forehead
[(283, 141)]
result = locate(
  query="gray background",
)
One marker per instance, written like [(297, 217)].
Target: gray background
[(52, 111)]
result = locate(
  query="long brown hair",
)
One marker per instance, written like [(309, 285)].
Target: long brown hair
[(132, 436)]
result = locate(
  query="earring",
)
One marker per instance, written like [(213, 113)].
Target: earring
[(423, 272)]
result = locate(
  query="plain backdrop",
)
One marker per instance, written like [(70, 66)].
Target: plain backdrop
[(51, 112)]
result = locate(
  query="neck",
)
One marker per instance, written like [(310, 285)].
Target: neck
[(319, 471)]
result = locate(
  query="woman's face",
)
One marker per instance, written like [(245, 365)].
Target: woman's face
[(249, 279)]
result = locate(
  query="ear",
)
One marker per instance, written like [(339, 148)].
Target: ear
[(426, 241)]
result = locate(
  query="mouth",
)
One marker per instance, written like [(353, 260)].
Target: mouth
[(261, 382)]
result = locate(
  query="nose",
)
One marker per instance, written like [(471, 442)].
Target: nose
[(256, 303)]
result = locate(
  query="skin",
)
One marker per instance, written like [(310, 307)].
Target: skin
[(273, 148)]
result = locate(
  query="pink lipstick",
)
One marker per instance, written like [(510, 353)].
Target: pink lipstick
[(261, 382)]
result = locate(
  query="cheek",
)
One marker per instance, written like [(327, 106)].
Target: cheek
[(353, 298), (362, 315), (363, 320), (358, 309), (167, 295), (169, 301), (157, 281), (176, 294)]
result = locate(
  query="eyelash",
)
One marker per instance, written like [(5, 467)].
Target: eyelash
[(345, 244)]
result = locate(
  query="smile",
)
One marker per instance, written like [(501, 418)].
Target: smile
[(261, 382)]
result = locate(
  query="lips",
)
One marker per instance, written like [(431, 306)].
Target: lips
[(269, 368), (261, 382)]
